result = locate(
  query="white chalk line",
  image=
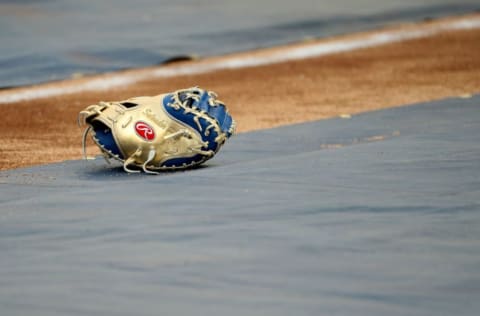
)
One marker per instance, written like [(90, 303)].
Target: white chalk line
[(283, 55)]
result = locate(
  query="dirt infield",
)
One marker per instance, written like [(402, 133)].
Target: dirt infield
[(44, 130)]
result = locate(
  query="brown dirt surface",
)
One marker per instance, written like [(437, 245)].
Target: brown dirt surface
[(45, 130)]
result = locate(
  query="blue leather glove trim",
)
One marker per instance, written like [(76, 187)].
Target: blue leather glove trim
[(105, 137)]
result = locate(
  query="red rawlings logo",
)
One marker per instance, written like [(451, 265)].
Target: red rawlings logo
[(144, 130)]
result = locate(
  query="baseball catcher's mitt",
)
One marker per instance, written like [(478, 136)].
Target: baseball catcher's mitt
[(168, 131)]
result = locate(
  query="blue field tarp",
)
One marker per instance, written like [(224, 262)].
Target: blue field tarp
[(47, 40), (378, 214)]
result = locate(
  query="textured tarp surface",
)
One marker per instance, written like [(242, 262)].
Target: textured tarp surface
[(374, 215)]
